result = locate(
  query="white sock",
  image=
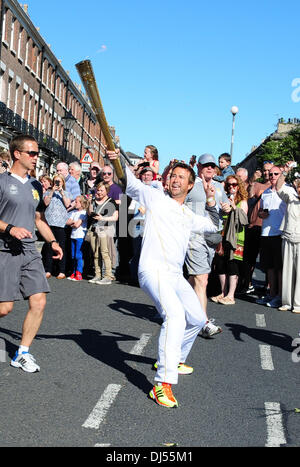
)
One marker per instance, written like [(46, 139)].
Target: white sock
[(23, 348)]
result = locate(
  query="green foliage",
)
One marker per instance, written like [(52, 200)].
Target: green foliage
[(281, 151)]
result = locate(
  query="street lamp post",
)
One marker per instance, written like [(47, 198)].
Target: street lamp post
[(234, 110), (68, 122)]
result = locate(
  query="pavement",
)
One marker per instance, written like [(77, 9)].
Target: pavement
[(96, 348)]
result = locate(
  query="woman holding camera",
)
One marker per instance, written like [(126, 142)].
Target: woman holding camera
[(103, 213), (56, 200)]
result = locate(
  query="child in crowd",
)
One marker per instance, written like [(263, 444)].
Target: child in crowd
[(225, 166), (78, 222)]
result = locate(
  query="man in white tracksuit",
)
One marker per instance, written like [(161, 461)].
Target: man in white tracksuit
[(167, 228)]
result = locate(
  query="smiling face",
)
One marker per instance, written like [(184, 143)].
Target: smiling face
[(107, 174), (101, 192), (207, 170), (274, 174), (180, 184), (232, 187)]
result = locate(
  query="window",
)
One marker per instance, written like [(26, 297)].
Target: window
[(16, 98), (27, 53), (12, 34), (23, 104), (8, 98), (20, 43)]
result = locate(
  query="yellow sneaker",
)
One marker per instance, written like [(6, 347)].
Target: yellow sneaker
[(163, 395), (183, 369)]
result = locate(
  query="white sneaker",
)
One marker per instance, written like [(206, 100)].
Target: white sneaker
[(95, 280), (285, 308), (104, 281), (210, 329), (25, 361)]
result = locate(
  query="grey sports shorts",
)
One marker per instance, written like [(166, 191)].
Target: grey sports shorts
[(199, 256), (22, 275)]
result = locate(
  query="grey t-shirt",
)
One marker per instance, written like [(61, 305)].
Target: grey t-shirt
[(196, 199), (18, 205)]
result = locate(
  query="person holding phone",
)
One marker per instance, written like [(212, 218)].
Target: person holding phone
[(57, 201)]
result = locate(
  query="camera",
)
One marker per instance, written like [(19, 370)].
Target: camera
[(4, 165), (57, 183), (144, 164), (93, 214)]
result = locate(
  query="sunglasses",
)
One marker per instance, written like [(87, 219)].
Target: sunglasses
[(159, 179), (31, 153), (209, 164), (106, 173), (274, 173), (232, 184)]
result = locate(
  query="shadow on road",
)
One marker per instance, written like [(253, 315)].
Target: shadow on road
[(273, 338), (101, 347), (140, 310)]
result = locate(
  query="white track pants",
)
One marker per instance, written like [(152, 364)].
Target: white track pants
[(182, 315), (291, 274)]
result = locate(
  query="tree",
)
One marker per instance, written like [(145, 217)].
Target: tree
[(282, 150)]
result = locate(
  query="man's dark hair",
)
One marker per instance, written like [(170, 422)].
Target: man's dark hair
[(182, 165), (17, 143)]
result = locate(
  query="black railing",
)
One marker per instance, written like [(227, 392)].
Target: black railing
[(18, 125)]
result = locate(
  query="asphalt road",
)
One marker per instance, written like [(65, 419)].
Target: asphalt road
[(96, 348)]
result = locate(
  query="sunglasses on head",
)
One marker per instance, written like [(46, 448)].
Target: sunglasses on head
[(268, 162), (232, 184)]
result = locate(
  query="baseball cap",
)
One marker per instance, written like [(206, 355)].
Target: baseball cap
[(206, 158)]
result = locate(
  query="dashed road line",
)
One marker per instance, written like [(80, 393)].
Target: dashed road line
[(100, 410), (260, 321), (266, 357), (275, 430)]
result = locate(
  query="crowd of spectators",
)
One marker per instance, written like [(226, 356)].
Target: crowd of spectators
[(259, 221)]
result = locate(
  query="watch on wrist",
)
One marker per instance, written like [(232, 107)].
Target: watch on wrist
[(52, 241), (284, 173), (211, 199), (8, 229)]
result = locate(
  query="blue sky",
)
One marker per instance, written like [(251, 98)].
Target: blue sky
[(169, 71)]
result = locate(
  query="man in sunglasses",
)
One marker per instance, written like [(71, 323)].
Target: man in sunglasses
[(115, 192), (22, 271), (272, 211), (201, 250)]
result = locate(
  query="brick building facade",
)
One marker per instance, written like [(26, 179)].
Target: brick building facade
[(36, 93)]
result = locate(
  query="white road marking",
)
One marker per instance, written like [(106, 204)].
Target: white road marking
[(266, 357), (100, 410), (98, 445), (98, 414), (260, 321), (275, 430), (139, 346)]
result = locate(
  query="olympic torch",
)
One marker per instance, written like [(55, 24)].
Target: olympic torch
[(87, 76)]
